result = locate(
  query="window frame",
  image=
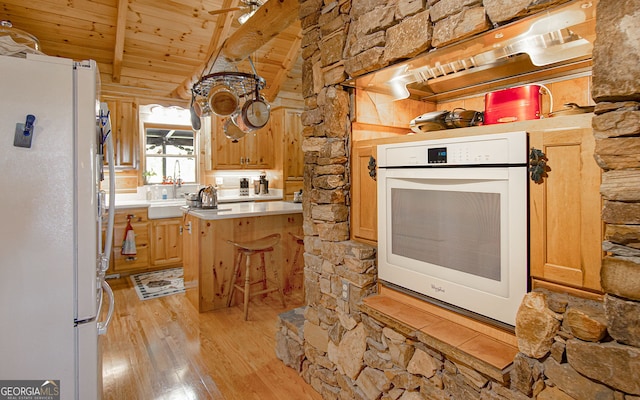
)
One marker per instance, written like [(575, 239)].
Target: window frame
[(160, 125)]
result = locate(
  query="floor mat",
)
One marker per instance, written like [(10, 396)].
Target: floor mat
[(151, 285)]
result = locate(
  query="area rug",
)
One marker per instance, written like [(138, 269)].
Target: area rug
[(151, 285)]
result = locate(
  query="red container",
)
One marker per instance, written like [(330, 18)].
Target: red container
[(511, 105)]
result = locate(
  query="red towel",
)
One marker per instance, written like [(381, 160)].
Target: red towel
[(129, 242)]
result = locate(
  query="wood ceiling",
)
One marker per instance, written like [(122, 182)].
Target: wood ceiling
[(154, 50)]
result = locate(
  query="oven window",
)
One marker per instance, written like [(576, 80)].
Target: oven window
[(455, 230)]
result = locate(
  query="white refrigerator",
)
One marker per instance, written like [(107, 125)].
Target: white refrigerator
[(52, 259)]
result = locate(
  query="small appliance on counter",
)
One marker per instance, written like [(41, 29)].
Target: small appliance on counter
[(264, 183), (193, 200), (208, 197), (244, 187), (297, 197), (513, 104)]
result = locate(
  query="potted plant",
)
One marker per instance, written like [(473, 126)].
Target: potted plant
[(146, 175)]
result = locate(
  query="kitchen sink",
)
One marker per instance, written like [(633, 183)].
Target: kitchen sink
[(165, 208)]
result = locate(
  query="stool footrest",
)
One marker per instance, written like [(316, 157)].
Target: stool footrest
[(241, 289)]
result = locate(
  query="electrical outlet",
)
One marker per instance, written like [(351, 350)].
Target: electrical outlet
[(345, 290), (219, 181)]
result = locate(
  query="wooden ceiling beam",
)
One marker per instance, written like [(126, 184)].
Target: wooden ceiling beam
[(118, 51), (272, 17)]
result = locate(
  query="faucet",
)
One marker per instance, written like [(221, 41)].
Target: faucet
[(177, 180)]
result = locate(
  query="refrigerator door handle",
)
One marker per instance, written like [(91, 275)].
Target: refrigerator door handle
[(112, 200), (104, 325)]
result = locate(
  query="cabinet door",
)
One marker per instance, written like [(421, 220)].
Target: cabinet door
[(226, 154), (566, 229), (125, 131), (258, 149), (364, 202), (293, 156), (140, 225), (166, 242)]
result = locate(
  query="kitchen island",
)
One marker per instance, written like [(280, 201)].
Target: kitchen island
[(208, 258)]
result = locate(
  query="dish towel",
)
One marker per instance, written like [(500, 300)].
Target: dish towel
[(129, 242)]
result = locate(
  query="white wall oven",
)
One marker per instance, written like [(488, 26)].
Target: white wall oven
[(452, 222)]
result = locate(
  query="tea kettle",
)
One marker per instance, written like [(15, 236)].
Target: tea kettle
[(208, 197)]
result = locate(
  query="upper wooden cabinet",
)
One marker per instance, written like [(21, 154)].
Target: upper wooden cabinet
[(125, 130), (289, 122), (286, 127), (565, 209), (254, 151)]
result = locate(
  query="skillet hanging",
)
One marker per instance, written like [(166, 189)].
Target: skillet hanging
[(256, 111)]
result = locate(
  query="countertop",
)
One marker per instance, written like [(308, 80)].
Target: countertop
[(246, 209), (135, 203)]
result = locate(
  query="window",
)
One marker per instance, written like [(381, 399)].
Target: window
[(170, 153)]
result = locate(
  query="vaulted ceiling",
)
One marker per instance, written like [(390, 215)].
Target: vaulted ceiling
[(155, 50)]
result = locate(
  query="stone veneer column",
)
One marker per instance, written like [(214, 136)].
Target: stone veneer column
[(586, 349)]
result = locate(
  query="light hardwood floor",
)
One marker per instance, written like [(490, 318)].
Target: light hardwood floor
[(164, 349)]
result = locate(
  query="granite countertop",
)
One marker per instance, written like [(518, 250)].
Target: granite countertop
[(246, 209)]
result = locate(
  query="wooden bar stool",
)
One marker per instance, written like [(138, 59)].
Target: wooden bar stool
[(297, 267), (247, 249)]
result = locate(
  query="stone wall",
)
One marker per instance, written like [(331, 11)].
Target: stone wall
[(348, 354)]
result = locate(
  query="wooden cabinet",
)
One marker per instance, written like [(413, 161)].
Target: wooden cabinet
[(158, 242), (166, 242), (254, 151), (364, 201), (191, 258), (140, 224), (125, 131), (565, 223), (286, 127)]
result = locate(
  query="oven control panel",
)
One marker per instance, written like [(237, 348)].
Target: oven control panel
[(506, 148), (467, 153)]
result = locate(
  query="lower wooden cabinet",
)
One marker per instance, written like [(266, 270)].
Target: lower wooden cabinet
[(140, 224), (565, 209), (158, 242), (166, 242)]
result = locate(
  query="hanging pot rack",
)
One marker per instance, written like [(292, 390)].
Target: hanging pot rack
[(243, 84)]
